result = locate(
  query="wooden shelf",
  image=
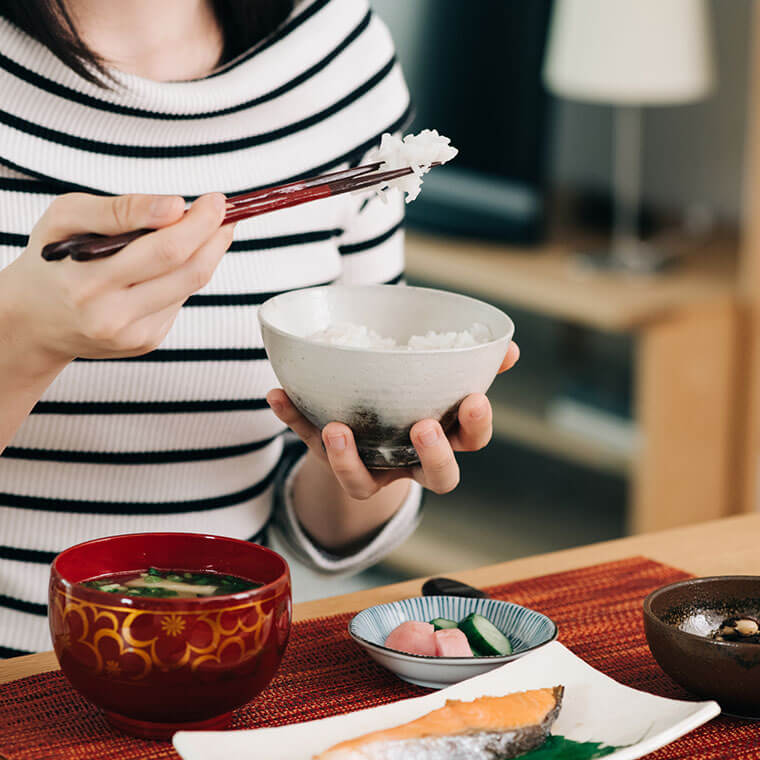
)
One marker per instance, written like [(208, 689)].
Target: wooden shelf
[(519, 415), (685, 407), (539, 433), (548, 279)]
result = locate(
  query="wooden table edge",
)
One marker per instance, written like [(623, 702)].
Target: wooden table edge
[(726, 546)]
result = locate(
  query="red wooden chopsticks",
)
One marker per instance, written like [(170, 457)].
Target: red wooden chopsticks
[(90, 246)]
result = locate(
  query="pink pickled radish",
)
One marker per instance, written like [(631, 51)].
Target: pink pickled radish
[(412, 637), (451, 642)]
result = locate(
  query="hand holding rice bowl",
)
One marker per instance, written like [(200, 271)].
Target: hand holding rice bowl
[(380, 391)]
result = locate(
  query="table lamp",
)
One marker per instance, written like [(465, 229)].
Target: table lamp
[(629, 53)]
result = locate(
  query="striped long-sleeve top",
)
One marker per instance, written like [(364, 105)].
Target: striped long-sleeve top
[(181, 438)]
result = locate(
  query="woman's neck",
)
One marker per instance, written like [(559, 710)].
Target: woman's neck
[(164, 40)]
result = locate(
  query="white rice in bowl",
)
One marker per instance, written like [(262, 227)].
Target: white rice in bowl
[(361, 336)]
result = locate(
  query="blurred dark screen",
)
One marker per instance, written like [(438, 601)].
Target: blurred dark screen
[(479, 82), (474, 70)]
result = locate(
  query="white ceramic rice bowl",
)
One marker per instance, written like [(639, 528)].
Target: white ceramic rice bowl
[(380, 393)]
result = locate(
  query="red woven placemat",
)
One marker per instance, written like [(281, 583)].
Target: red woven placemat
[(598, 610)]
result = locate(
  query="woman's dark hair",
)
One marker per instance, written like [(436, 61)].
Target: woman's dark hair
[(243, 23)]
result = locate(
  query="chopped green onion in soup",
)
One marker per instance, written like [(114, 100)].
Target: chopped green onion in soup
[(170, 583)]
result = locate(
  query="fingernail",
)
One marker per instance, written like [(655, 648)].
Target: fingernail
[(162, 206), (428, 436), (479, 411), (275, 405), (337, 442)]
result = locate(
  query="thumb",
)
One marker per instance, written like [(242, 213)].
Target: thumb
[(510, 358), (75, 213)]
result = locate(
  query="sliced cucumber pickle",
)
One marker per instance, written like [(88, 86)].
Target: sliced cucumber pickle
[(440, 623), (484, 637)]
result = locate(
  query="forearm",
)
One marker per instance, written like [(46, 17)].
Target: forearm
[(25, 370), (331, 517)]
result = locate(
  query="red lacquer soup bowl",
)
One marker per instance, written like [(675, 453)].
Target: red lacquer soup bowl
[(158, 665)]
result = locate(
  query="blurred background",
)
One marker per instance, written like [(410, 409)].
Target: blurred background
[(598, 198)]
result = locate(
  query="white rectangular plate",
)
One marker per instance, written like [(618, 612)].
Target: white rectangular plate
[(595, 708)]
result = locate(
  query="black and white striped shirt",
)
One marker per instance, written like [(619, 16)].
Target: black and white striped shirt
[(182, 438)]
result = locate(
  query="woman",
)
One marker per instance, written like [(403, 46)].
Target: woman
[(135, 394)]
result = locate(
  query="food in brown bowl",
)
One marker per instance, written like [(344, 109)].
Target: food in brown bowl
[(703, 633)]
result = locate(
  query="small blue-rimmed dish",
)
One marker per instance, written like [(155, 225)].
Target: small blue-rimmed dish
[(526, 629)]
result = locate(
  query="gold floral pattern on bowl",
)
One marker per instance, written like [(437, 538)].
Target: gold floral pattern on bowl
[(123, 643)]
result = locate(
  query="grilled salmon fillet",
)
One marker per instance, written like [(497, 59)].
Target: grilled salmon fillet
[(489, 728)]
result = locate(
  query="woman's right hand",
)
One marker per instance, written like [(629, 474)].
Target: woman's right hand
[(118, 306)]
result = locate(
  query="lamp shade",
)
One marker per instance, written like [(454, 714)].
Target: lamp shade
[(630, 52)]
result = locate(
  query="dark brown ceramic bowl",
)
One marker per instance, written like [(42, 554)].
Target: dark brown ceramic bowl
[(678, 621)]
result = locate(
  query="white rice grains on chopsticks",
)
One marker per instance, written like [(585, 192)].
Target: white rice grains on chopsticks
[(416, 151)]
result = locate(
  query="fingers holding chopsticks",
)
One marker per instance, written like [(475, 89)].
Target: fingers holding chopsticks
[(171, 247), (179, 283), (120, 305), (75, 213), (178, 234), (166, 266), (239, 207)]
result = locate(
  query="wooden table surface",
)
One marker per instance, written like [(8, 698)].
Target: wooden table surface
[(721, 547)]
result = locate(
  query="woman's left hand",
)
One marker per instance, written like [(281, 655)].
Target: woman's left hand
[(438, 469)]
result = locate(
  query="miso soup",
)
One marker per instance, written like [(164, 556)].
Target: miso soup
[(171, 583)]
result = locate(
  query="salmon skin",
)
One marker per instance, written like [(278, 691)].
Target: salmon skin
[(489, 728)]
